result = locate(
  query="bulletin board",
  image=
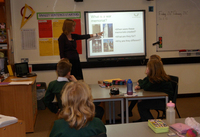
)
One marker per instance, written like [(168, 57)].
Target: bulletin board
[(50, 28), (178, 24)]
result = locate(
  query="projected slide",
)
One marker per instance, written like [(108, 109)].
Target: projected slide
[(124, 33)]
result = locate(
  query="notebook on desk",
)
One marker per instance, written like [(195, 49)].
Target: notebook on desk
[(22, 70)]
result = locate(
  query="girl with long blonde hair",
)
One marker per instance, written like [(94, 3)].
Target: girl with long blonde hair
[(77, 116)]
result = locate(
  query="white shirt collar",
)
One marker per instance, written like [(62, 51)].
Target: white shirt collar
[(62, 79)]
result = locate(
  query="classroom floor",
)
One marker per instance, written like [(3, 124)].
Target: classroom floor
[(187, 107)]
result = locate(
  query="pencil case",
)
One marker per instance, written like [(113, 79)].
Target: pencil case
[(158, 126), (119, 82), (180, 127)]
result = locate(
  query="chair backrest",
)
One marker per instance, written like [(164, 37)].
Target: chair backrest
[(101, 135), (174, 81)]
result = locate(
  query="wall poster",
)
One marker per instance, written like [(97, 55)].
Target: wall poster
[(50, 28)]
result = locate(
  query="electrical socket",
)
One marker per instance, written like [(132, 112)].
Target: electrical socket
[(24, 59)]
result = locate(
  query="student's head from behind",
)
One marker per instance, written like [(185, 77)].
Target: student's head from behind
[(63, 68), (65, 59), (155, 71), (68, 26), (78, 107), (154, 56)]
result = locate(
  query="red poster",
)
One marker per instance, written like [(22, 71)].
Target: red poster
[(45, 28), (78, 31)]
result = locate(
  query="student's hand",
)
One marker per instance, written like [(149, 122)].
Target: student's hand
[(72, 78), (137, 87), (58, 112)]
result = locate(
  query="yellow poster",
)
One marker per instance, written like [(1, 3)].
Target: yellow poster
[(56, 48), (57, 31), (46, 47), (57, 28)]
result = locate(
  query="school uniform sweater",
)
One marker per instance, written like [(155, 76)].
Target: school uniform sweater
[(54, 89), (163, 86), (61, 128)]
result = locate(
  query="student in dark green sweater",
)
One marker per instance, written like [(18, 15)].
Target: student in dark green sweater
[(77, 116), (133, 102), (55, 87), (156, 80)]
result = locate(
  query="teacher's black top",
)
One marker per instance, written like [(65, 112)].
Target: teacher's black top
[(68, 48)]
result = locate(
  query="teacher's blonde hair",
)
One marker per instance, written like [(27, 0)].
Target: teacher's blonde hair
[(67, 26), (78, 106)]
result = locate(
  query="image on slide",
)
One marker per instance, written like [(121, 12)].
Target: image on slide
[(108, 45), (96, 28), (96, 46), (108, 30)]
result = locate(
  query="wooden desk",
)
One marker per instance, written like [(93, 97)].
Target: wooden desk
[(13, 130), (139, 129), (20, 101)]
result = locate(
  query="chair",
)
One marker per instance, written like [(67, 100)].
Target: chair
[(41, 89), (174, 80)]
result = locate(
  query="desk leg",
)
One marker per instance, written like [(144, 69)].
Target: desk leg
[(122, 111), (110, 112), (127, 117), (113, 112)]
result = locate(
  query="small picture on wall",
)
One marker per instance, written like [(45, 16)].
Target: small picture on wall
[(3, 33)]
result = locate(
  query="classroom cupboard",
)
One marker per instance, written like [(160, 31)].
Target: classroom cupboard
[(20, 101)]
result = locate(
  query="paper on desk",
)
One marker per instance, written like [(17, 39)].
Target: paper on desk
[(18, 79), (7, 120), (134, 94), (20, 83)]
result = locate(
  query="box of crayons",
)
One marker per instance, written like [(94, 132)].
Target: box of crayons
[(158, 126)]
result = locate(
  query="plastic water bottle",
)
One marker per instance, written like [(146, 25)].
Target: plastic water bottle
[(170, 113), (129, 87)]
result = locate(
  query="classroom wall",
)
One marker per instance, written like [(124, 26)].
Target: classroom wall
[(188, 73)]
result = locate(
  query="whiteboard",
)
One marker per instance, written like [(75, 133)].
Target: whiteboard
[(178, 23)]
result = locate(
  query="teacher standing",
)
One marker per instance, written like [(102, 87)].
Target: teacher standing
[(67, 46)]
